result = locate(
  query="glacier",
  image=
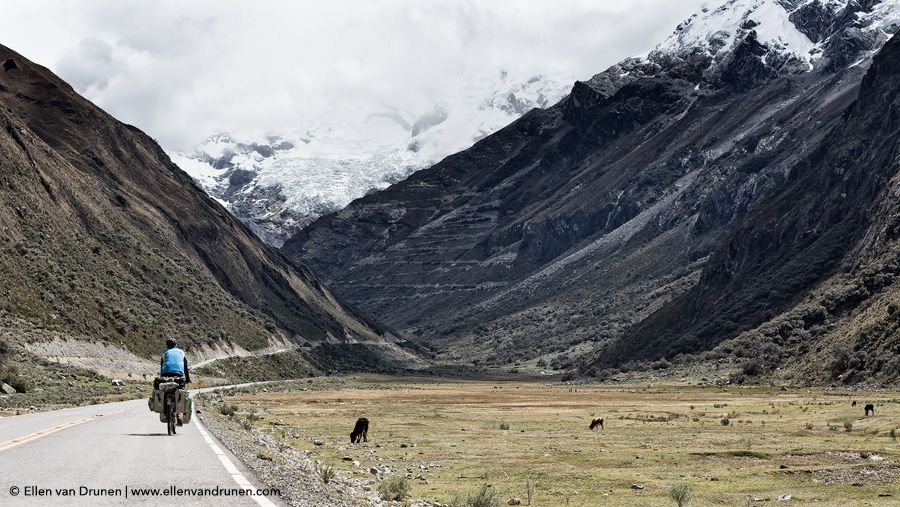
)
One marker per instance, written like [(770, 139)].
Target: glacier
[(277, 183)]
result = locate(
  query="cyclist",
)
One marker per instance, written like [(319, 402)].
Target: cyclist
[(174, 363)]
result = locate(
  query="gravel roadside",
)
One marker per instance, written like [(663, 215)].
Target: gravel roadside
[(280, 466)]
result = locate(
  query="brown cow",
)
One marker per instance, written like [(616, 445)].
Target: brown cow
[(595, 423), (360, 431)]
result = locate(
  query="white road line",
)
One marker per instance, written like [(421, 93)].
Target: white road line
[(49, 431), (232, 470)]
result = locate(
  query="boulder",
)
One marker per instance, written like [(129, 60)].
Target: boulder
[(8, 389)]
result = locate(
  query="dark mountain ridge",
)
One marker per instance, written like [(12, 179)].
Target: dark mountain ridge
[(557, 235), (825, 245), (104, 239)]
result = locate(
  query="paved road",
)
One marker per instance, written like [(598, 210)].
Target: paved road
[(119, 447)]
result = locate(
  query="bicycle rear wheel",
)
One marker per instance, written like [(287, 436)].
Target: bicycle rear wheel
[(170, 415)]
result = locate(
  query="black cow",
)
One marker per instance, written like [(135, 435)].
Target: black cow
[(360, 431), (595, 423), (870, 408)]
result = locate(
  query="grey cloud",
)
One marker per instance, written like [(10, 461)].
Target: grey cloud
[(88, 65), (182, 70)]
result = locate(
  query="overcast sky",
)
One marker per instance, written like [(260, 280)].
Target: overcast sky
[(181, 70)]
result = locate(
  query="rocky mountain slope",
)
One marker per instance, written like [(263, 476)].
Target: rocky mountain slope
[(103, 239), (556, 237), (822, 255), (279, 183)]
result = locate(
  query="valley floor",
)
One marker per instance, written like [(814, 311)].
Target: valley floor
[(732, 446)]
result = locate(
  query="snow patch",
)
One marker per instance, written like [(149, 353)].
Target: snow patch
[(719, 29), (884, 17)]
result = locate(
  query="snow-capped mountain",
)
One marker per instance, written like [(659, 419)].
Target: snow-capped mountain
[(794, 28), (279, 183), (667, 205), (744, 43)]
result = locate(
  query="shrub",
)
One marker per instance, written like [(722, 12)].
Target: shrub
[(681, 494), (840, 361), (893, 433), (725, 421), (395, 487), (753, 367), (483, 497), (325, 472), (9, 374), (504, 426), (228, 410), (17, 382), (662, 364), (848, 426), (529, 489), (809, 426)]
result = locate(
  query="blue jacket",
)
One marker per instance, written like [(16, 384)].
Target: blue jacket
[(173, 362)]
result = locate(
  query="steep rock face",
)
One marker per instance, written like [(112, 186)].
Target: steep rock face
[(104, 238), (559, 233), (815, 268)]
